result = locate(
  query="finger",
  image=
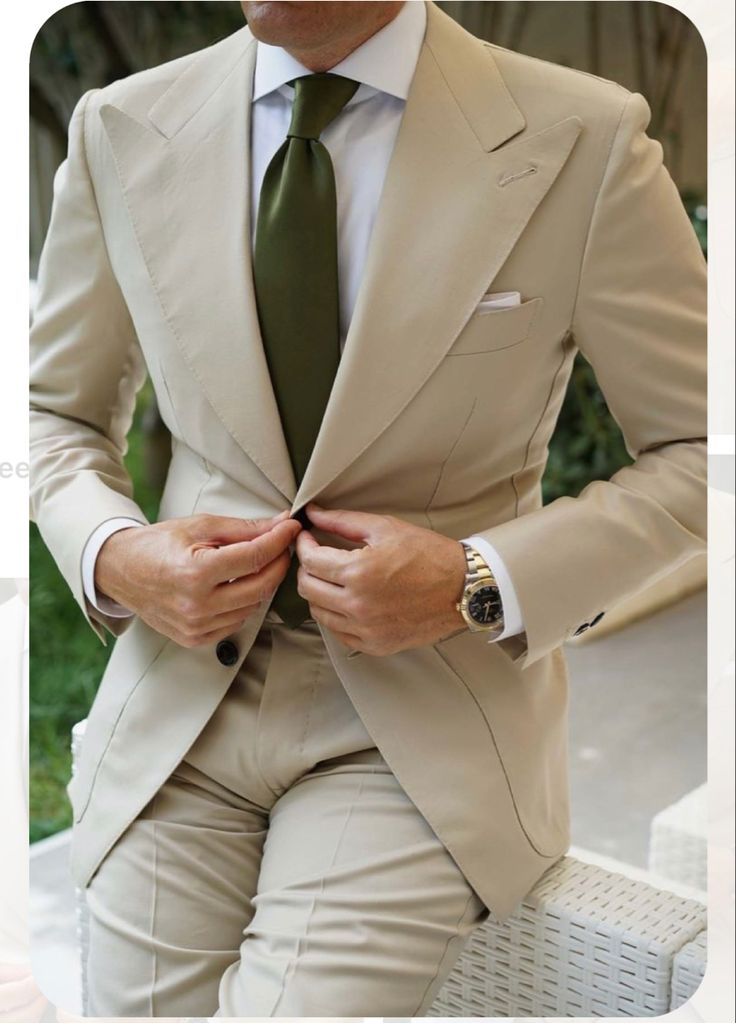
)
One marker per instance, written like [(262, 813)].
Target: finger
[(223, 529), (328, 563), (353, 525), (324, 594), (330, 619), (251, 589), (353, 643), (232, 619), (250, 556), (238, 597), (337, 624), (206, 638)]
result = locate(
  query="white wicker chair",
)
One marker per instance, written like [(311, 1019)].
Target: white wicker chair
[(688, 969), (584, 942)]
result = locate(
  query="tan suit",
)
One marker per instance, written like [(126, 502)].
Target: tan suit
[(508, 174)]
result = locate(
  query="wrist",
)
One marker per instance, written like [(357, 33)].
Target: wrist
[(459, 568), (109, 565)]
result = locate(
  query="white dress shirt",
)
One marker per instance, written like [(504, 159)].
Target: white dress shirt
[(360, 141)]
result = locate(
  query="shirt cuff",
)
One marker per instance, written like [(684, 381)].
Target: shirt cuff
[(105, 605), (513, 622)]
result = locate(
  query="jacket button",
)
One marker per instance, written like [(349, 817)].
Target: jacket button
[(302, 518), (227, 652)]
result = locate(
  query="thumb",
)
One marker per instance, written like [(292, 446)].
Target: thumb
[(223, 530), (352, 525)]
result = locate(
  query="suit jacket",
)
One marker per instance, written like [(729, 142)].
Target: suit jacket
[(508, 173)]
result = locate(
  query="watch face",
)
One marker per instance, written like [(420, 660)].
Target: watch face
[(484, 607)]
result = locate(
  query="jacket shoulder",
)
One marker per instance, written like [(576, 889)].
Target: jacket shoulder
[(136, 93), (549, 91)]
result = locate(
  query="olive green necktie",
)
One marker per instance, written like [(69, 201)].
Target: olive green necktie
[(295, 275)]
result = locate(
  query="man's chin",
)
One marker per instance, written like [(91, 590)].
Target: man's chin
[(280, 22)]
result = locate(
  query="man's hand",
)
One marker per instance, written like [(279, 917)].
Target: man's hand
[(197, 579), (398, 591)]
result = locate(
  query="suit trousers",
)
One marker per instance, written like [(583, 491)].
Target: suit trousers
[(281, 869)]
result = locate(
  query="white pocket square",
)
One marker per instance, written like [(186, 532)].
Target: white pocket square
[(499, 300)]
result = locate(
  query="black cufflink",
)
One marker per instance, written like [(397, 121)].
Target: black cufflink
[(597, 618), (227, 652), (581, 628)]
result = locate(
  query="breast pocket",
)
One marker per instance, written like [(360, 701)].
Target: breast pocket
[(495, 329)]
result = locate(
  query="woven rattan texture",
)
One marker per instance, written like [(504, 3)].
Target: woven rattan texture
[(688, 969), (584, 942)]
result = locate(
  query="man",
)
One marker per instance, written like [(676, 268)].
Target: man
[(356, 257)]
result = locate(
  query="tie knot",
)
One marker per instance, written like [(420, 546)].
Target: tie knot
[(318, 100)]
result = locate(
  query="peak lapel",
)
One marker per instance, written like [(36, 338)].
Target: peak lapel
[(186, 180), (452, 208)]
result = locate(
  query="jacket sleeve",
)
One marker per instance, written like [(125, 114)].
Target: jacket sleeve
[(640, 320), (85, 371)]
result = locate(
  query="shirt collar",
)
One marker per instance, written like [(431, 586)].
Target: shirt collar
[(385, 62)]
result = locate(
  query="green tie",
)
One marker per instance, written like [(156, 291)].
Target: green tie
[(295, 276)]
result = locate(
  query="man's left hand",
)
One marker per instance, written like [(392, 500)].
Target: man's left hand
[(396, 592)]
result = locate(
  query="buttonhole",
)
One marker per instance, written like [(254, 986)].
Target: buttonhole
[(506, 179)]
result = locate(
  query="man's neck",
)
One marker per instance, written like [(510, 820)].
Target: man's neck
[(323, 58)]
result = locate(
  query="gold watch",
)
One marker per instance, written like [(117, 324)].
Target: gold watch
[(480, 603)]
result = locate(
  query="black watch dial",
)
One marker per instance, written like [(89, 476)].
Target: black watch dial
[(484, 607)]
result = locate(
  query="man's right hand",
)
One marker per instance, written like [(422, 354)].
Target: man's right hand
[(196, 580)]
